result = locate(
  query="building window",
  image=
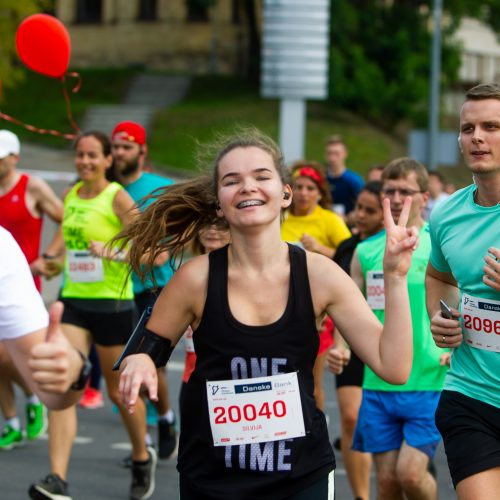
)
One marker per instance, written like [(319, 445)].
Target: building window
[(147, 10), (197, 10), (89, 11)]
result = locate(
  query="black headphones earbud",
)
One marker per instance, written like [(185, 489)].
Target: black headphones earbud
[(217, 206), (286, 195)]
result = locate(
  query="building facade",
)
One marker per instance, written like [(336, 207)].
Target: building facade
[(178, 35)]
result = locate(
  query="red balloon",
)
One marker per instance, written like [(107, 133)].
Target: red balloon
[(43, 44)]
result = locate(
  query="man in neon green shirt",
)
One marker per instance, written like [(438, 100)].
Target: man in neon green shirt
[(464, 270), (396, 422)]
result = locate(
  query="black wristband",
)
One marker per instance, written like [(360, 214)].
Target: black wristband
[(84, 373), (159, 349), (48, 257)]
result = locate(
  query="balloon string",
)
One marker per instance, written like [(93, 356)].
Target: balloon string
[(77, 75), (32, 128), (69, 113)]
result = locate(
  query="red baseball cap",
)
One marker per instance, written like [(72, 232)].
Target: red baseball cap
[(129, 131)]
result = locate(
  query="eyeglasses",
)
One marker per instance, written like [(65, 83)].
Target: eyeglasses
[(390, 192)]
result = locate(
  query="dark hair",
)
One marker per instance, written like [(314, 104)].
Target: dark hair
[(181, 210), (321, 182), (438, 175), (100, 136), (403, 167), (483, 91), (373, 187)]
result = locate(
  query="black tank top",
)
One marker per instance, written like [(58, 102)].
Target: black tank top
[(227, 349)]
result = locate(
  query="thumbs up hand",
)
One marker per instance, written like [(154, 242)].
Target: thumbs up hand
[(55, 364)]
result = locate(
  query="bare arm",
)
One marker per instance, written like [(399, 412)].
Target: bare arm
[(438, 285), (48, 362), (340, 355), (124, 207), (46, 201), (492, 268), (313, 245), (179, 305)]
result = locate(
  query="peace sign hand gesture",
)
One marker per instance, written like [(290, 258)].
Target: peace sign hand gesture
[(401, 241)]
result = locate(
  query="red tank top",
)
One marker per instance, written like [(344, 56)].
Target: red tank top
[(16, 218)]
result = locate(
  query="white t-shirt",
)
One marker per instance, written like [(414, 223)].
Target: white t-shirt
[(21, 307)]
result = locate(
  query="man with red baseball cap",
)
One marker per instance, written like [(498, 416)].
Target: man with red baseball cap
[(129, 150)]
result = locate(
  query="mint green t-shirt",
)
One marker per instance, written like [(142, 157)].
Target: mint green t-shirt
[(427, 374), (461, 233)]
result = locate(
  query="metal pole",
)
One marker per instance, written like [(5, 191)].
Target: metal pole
[(292, 128), (434, 88)]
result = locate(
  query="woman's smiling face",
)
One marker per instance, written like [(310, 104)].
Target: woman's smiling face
[(249, 188)]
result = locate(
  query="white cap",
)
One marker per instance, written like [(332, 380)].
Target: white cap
[(9, 144)]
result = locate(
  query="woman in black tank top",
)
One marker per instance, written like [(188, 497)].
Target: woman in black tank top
[(249, 426)]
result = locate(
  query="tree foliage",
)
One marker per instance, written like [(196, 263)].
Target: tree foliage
[(12, 12), (381, 53)]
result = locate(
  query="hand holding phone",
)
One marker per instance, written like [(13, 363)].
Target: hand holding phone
[(446, 311)]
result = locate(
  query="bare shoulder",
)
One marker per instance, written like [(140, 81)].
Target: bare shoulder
[(122, 199), (194, 272), (183, 298), (321, 268), (38, 188)]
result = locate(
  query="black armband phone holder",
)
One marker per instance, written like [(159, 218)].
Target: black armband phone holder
[(144, 341)]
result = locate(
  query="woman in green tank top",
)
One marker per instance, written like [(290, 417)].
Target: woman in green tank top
[(98, 300)]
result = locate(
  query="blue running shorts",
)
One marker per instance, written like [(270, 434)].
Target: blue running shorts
[(386, 419)]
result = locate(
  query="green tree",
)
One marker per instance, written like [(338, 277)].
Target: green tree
[(12, 12), (380, 54)]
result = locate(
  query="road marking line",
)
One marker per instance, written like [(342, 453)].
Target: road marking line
[(51, 175)]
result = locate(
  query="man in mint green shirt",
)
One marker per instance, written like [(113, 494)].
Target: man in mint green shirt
[(464, 271), (129, 149), (396, 422)]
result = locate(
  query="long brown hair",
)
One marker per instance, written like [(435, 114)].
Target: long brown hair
[(181, 210)]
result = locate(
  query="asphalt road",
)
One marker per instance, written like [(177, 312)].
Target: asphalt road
[(102, 442)]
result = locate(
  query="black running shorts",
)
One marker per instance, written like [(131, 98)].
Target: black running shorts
[(471, 434)]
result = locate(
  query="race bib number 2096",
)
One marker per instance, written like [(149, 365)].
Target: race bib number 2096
[(481, 322)]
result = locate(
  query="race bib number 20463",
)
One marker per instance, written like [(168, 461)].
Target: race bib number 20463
[(255, 410)]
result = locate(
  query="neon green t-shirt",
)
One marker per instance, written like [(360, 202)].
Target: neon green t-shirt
[(324, 225), (461, 233), (427, 374), (87, 277)]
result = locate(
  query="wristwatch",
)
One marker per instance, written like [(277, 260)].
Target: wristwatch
[(84, 373)]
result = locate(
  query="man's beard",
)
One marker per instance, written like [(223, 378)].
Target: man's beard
[(129, 168)]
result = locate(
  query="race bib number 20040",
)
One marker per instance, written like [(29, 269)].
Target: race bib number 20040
[(255, 410), (481, 322)]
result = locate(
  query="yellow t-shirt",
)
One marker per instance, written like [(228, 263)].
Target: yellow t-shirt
[(325, 226)]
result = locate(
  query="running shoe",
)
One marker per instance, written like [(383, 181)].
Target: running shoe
[(167, 438), (10, 437), (36, 420), (91, 399), (51, 487), (143, 477)]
